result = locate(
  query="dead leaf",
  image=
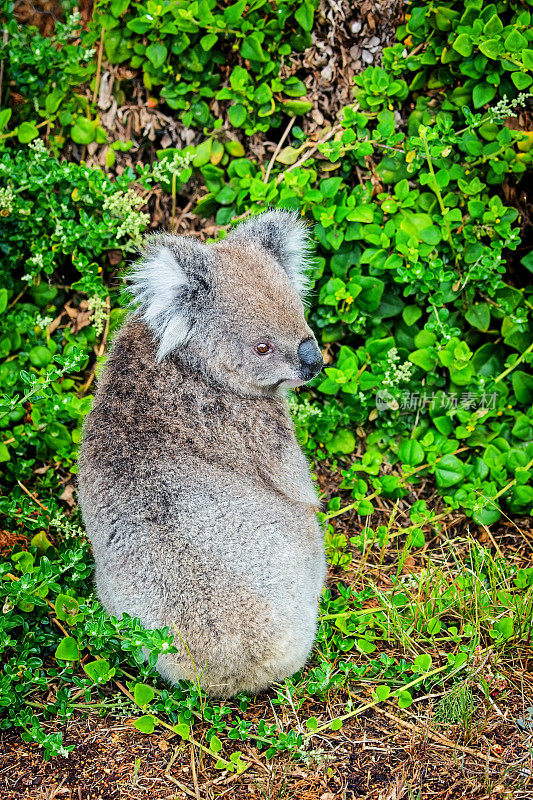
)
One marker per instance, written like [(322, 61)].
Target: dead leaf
[(80, 317), (114, 257), (67, 495)]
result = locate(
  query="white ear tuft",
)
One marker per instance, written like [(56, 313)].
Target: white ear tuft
[(163, 284), (286, 237)]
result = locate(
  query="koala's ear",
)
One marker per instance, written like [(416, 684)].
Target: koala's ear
[(166, 284), (285, 236)]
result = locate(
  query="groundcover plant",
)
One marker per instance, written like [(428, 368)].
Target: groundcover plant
[(404, 136)]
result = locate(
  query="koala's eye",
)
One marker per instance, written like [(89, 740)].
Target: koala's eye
[(263, 348)]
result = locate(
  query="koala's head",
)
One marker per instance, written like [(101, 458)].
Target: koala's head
[(233, 310)]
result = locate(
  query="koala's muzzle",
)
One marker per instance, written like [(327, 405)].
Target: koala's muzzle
[(311, 361)]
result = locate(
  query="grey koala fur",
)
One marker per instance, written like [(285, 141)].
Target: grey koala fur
[(194, 492)]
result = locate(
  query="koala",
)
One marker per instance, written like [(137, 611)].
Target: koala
[(194, 491)]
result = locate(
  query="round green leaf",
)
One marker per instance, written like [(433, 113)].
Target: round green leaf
[(26, 132), (157, 53), (411, 452), (479, 316), (382, 692), (143, 694), (67, 650), (422, 663), (145, 724), (237, 115), (405, 699), (449, 471)]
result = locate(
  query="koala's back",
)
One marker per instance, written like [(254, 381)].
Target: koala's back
[(201, 513)]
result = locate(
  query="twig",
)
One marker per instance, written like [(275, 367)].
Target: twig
[(17, 298), (174, 780), (30, 495), (310, 152), (101, 347), (278, 148), (439, 737), (98, 67), (194, 776), (516, 363), (4, 41), (373, 703)]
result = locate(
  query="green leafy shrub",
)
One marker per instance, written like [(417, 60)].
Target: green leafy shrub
[(480, 51), (46, 72), (183, 51), (411, 258), (58, 222)]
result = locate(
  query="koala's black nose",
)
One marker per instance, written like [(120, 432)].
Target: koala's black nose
[(310, 359)]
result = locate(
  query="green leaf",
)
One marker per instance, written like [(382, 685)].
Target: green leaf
[(515, 41), (99, 671), (491, 48), (26, 132), (41, 542), (527, 261), (143, 694), (527, 58), (478, 316), (482, 94), (40, 356), (434, 626), (215, 745), (363, 213), (232, 14), (203, 153), (365, 646), (295, 108), (405, 699), (157, 53), (312, 723), (289, 155), (382, 692), (237, 115), (67, 650), (83, 131), (145, 724), (503, 628), (494, 26), (523, 386), (118, 7), (343, 441), (335, 724), (523, 428), (449, 471), (424, 358), (463, 45), (183, 730), (66, 606), (304, 15), (251, 48), (411, 314), (521, 80), (487, 515), (5, 116), (208, 41), (3, 300), (5, 455), (422, 663), (234, 148), (411, 452)]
